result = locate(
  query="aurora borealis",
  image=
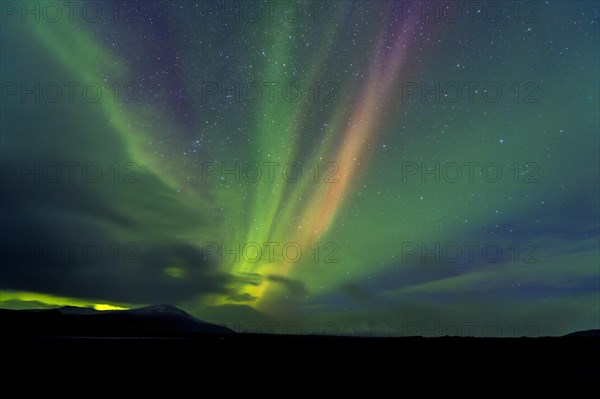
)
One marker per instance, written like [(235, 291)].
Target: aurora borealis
[(437, 177)]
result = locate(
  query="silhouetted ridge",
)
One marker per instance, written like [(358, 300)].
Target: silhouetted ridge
[(71, 321)]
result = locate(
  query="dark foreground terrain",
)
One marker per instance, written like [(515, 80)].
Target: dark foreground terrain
[(160, 337)]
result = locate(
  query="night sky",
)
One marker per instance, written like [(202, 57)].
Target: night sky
[(438, 177)]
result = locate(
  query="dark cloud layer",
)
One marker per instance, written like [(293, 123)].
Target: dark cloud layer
[(295, 287)]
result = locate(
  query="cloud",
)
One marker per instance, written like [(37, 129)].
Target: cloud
[(295, 287), (355, 292), (249, 278), (245, 297), (103, 241)]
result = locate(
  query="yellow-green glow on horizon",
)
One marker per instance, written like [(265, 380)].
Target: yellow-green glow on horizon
[(103, 307), (8, 300)]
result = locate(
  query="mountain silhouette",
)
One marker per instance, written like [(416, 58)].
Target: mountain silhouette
[(586, 333), (71, 321)]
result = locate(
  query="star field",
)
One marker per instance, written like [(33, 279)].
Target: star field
[(361, 167)]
